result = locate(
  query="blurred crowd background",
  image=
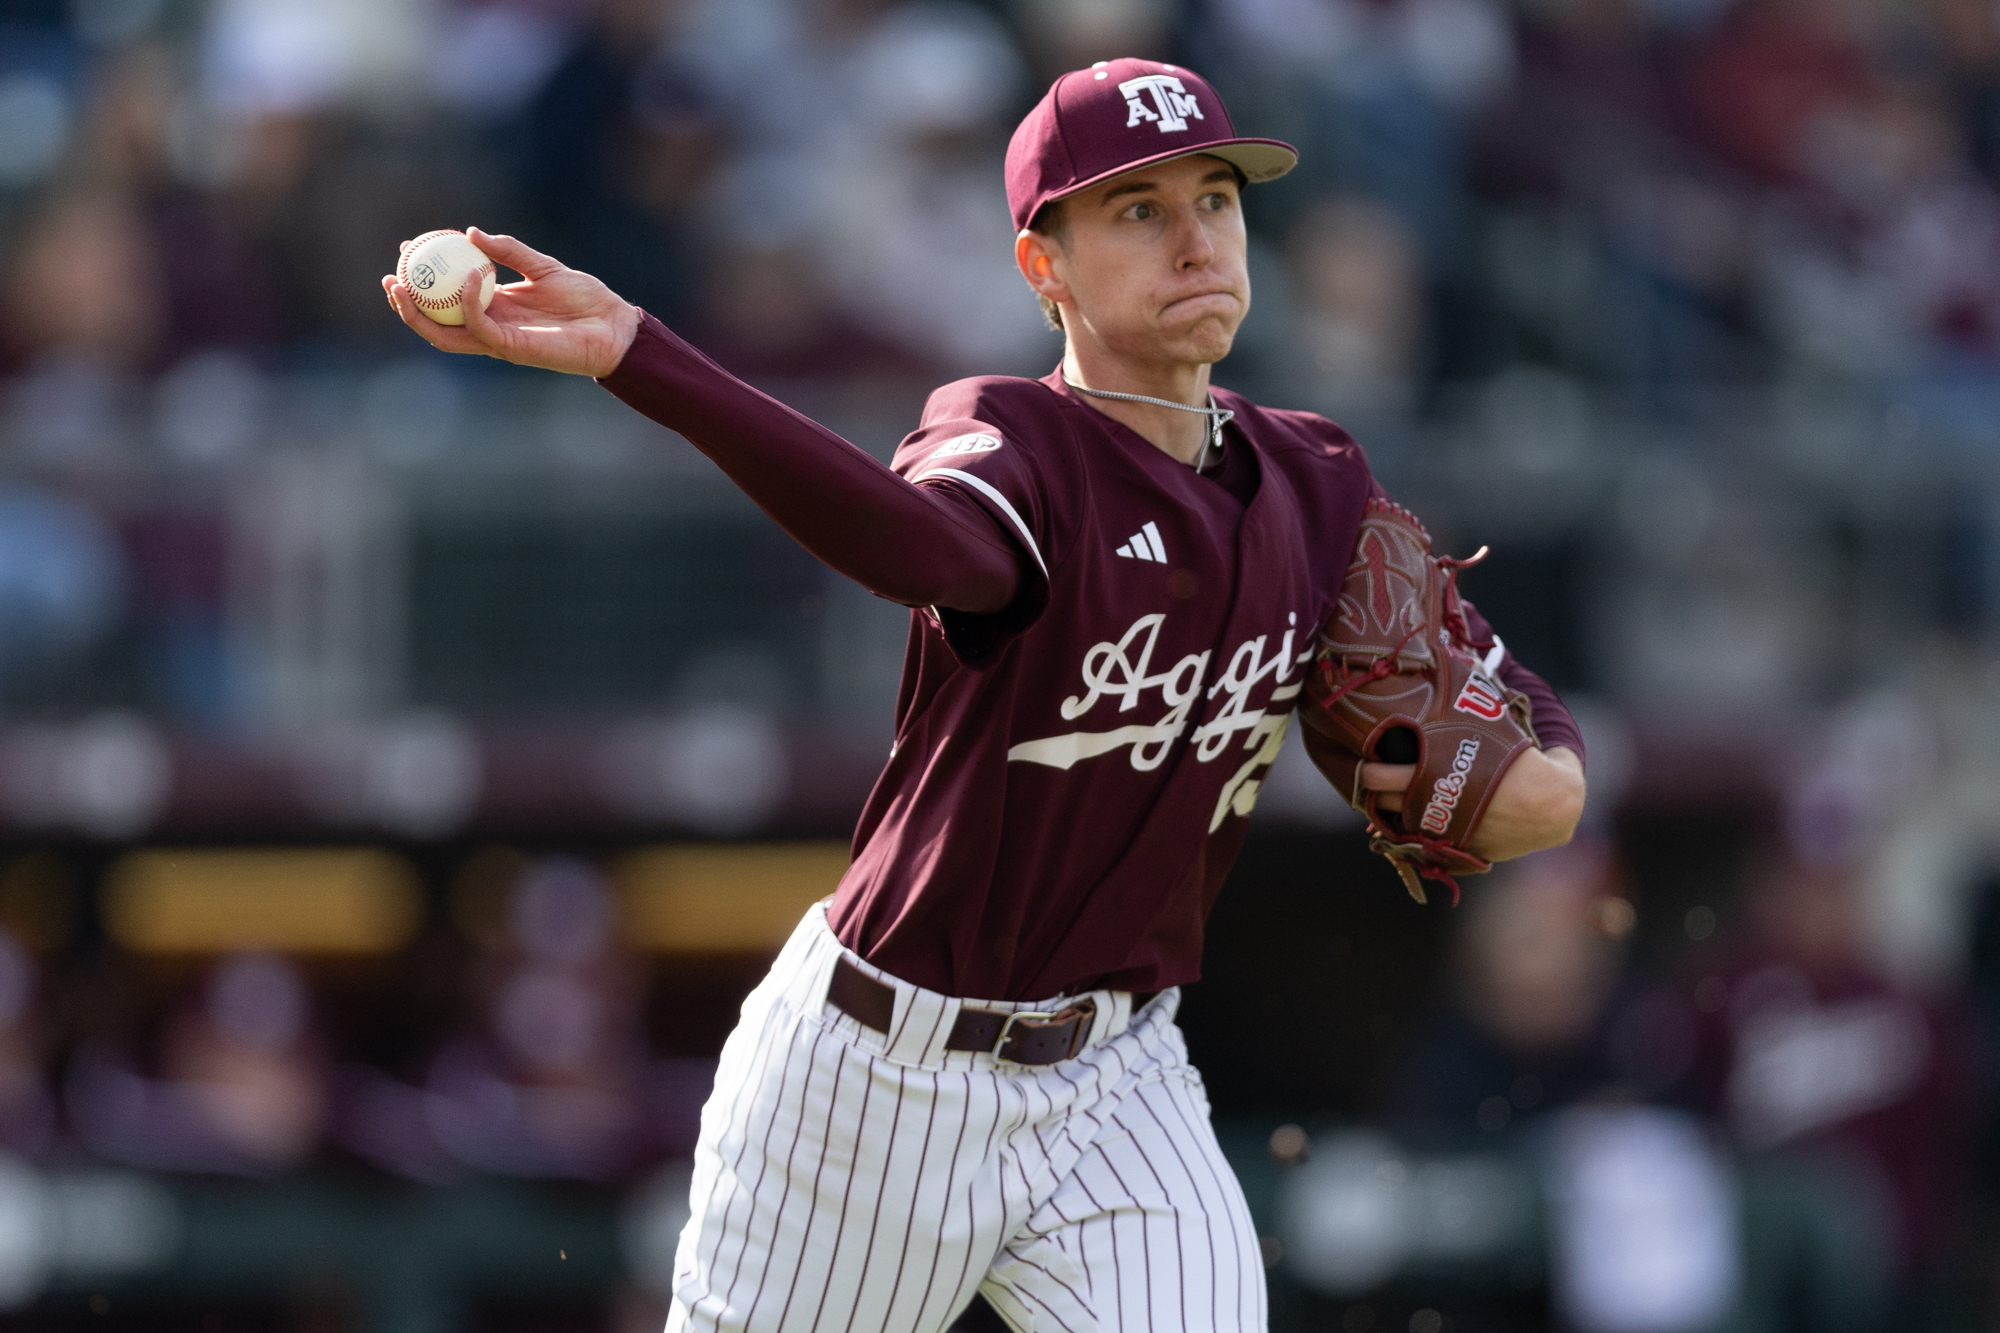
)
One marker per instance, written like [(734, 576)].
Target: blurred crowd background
[(407, 763)]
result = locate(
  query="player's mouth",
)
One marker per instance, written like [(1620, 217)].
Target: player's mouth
[(1202, 302)]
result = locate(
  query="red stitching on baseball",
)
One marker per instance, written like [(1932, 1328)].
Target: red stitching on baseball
[(432, 302)]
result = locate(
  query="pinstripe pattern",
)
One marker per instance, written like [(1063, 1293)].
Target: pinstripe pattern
[(851, 1181)]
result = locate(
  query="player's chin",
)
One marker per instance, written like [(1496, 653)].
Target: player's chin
[(1202, 343), (1207, 322)]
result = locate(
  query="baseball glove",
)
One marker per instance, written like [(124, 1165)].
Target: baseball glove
[(1398, 680)]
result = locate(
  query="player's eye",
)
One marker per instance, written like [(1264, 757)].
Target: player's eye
[(1216, 202), (1140, 212)]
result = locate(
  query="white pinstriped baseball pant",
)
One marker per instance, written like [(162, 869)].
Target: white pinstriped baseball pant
[(848, 1181)]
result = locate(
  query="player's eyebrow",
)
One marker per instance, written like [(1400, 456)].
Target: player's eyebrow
[(1220, 174), (1131, 187)]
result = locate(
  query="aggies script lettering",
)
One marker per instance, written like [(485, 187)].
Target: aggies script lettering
[(1124, 669)]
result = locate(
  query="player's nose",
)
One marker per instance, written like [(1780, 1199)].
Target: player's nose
[(1194, 249)]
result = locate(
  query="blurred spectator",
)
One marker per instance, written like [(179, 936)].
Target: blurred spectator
[(1753, 92), (1985, 996), (316, 179), (1537, 959), (179, 615), (554, 1081), (218, 280), (84, 284), (762, 312), (493, 55), (1590, 103), (551, 1086), (1590, 127), (1647, 1223), (615, 151), (27, 1112), (1805, 1051), (330, 196), (1382, 98), (62, 585), (240, 1086), (1358, 302), (290, 56), (915, 233), (1969, 33), (1383, 93), (1896, 270), (1062, 35)]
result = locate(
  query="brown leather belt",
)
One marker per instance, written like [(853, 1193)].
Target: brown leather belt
[(1024, 1038)]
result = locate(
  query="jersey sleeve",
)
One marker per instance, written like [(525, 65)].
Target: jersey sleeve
[(865, 521), (1553, 724), (975, 467)]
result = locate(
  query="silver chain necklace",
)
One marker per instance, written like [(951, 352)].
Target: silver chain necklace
[(1218, 417)]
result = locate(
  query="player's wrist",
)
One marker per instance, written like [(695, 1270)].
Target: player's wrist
[(624, 320), (1537, 805)]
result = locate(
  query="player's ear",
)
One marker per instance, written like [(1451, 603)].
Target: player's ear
[(1036, 255)]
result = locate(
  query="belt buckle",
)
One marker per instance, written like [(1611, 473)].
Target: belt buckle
[(1083, 1009), (1007, 1029)]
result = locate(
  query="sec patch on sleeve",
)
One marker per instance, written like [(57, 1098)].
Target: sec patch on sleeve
[(977, 443)]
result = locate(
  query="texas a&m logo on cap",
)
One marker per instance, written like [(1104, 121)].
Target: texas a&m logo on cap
[(1172, 102)]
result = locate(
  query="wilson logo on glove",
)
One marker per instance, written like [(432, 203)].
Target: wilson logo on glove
[(1437, 817), (1481, 698)]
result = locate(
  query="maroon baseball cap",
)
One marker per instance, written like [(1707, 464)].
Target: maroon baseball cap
[(1100, 122)]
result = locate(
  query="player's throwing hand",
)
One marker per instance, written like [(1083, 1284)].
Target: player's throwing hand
[(555, 318)]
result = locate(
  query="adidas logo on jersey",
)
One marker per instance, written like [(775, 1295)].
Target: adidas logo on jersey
[(1145, 545)]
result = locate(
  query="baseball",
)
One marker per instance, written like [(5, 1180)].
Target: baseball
[(435, 268)]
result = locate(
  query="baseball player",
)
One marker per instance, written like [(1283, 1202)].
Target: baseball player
[(962, 1074)]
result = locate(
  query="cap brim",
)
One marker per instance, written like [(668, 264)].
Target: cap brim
[(1258, 159)]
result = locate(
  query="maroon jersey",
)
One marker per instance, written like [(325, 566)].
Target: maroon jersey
[(1072, 773), (1071, 778)]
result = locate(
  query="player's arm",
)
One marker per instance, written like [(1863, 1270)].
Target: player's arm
[(1537, 805), (1546, 802), (1540, 798), (920, 546)]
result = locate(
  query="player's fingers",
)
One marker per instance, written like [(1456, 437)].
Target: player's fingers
[(406, 307), (441, 336), (400, 302), (481, 326), (524, 260), (1387, 777)]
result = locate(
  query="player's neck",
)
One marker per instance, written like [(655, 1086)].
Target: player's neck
[(1179, 435)]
